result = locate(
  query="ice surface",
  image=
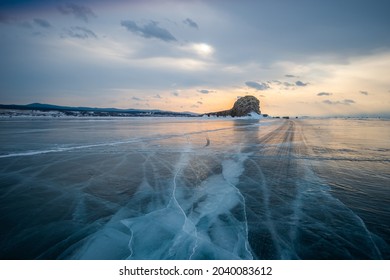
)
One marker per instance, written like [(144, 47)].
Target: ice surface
[(194, 189), (182, 221)]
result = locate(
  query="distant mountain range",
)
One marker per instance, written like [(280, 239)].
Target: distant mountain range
[(92, 111)]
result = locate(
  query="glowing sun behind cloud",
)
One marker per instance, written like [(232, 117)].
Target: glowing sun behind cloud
[(203, 49)]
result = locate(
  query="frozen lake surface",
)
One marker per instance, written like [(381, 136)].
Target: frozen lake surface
[(193, 188)]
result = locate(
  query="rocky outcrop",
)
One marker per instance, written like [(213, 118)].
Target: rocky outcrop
[(242, 107), (245, 105)]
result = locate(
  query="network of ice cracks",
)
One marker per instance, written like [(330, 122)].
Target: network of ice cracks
[(231, 204), (173, 218)]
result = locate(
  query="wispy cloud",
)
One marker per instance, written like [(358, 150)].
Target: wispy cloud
[(329, 102), (301, 84), (204, 91), (287, 84), (191, 23), (175, 93), (290, 76), (343, 102), (277, 82), (324, 93), (363, 92), (78, 11), (257, 86), (348, 101), (150, 30), (80, 33), (157, 96), (5, 19), (283, 85), (42, 23)]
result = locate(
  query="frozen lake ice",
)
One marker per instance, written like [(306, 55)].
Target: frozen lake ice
[(194, 188)]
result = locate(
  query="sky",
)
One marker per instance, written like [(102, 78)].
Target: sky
[(303, 57)]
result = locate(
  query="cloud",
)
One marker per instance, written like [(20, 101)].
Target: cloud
[(42, 23), (150, 30), (301, 84), (204, 91), (287, 84), (175, 93), (191, 23), (329, 102), (80, 33), (363, 92), (157, 96), (343, 102), (202, 49), (5, 19), (137, 99), (276, 82), (257, 86), (324, 94), (78, 11), (348, 101), (200, 102), (290, 76)]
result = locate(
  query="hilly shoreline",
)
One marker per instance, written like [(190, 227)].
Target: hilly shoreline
[(39, 109)]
